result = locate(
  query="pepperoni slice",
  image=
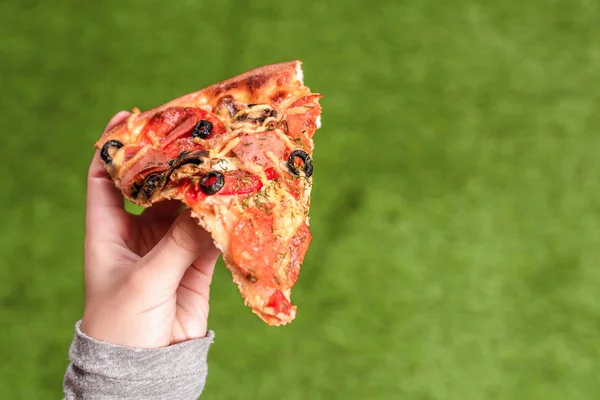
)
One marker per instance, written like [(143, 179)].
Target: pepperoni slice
[(153, 161), (301, 126), (176, 122), (254, 247), (253, 148), (311, 100), (165, 121), (184, 128), (183, 144), (304, 124), (130, 152), (297, 248), (241, 182)]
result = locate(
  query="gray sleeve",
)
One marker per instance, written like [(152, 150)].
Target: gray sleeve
[(100, 370)]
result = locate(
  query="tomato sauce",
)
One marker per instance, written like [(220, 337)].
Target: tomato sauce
[(279, 303)]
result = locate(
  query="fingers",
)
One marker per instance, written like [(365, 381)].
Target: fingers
[(205, 265), (104, 201), (198, 277), (101, 191), (184, 243), (117, 119)]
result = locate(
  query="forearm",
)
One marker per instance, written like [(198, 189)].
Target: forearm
[(100, 370)]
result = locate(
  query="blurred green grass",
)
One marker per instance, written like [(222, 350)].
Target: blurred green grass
[(456, 206)]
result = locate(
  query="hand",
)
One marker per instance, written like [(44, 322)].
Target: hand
[(147, 277)]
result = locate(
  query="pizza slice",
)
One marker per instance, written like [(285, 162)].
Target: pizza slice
[(238, 153)]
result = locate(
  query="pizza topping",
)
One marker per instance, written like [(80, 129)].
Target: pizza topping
[(225, 150), (279, 303), (153, 161), (226, 105), (191, 191), (254, 248), (224, 164), (253, 148), (187, 157), (256, 117), (131, 120), (202, 129), (307, 166), (241, 182), (271, 174), (185, 143), (256, 113), (212, 182), (152, 183), (302, 125), (130, 152), (298, 247), (235, 182), (109, 149), (307, 101), (165, 121), (182, 129), (186, 164), (181, 123)]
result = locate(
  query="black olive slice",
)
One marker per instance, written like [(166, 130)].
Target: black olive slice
[(212, 182), (153, 182), (202, 129), (187, 157), (105, 153), (174, 162), (306, 161), (135, 189)]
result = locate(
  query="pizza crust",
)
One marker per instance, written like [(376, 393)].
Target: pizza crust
[(268, 84)]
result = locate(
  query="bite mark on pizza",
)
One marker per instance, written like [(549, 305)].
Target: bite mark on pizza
[(239, 154)]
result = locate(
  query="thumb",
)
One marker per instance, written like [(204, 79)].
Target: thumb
[(183, 244)]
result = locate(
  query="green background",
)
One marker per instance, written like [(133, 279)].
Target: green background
[(456, 200)]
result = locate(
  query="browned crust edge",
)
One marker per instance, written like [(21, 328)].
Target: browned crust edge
[(250, 82)]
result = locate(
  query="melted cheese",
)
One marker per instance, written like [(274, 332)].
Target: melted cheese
[(276, 162), (284, 138), (287, 219), (131, 120), (225, 164), (228, 147), (299, 73)]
